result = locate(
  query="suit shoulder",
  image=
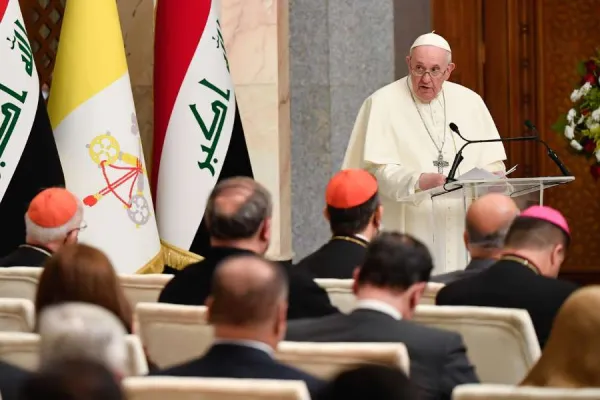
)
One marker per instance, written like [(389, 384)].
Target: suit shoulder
[(428, 333)]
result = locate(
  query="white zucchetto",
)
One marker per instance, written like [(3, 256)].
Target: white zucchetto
[(431, 39)]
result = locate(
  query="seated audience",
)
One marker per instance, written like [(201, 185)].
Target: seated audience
[(238, 219), (82, 331), (247, 309), (354, 214), (72, 380), (80, 273), (53, 219), (388, 287), (11, 380), (369, 382), (570, 358), (487, 222), (525, 277)]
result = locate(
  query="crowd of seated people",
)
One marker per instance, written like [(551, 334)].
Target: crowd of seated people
[(83, 317)]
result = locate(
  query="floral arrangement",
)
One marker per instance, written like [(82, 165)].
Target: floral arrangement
[(581, 125)]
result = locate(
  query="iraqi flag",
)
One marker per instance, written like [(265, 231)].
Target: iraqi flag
[(198, 134), (29, 160), (95, 125)]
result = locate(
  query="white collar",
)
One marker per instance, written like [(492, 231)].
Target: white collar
[(380, 306), (255, 344), (363, 237)]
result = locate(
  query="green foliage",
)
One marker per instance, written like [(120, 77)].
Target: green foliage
[(560, 124), (581, 68)]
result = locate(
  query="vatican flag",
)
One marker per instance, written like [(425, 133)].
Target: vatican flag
[(95, 126)]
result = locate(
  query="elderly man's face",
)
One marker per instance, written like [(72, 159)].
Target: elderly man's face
[(429, 68)]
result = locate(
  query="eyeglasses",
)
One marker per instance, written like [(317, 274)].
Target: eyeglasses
[(421, 71)]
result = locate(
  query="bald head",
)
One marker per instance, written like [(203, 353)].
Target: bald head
[(247, 291), (488, 220), (237, 208)]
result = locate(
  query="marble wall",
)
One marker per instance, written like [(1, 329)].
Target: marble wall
[(340, 52)]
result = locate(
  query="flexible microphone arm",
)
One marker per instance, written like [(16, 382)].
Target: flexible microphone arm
[(459, 157), (550, 152)]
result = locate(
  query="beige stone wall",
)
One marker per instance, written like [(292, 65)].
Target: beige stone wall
[(256, 37)]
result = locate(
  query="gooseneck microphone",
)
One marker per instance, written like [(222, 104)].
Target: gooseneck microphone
[(550, 152), (459, 157)]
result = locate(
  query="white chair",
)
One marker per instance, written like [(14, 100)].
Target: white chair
[(505, 392), (326, 360), (23, 350), (184, 326), (340, 293), (19, 282), (140, 288), (501, 342), (430, 293), (16, 315), (181, 388)]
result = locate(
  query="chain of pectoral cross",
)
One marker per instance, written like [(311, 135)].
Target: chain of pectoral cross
[(440, 163)]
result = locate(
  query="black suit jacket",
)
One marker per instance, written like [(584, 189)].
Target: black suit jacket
[(438, 359), (237, 361), (336, 259), (473, 268), (11, 380), (192, 285), (26, 256), (509, 284)]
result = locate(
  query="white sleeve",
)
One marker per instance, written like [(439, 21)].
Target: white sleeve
[(395, 181)]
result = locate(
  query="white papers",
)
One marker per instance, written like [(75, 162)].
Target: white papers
[(477, 174)]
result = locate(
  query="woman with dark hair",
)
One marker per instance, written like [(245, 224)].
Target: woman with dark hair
[(81, 273)]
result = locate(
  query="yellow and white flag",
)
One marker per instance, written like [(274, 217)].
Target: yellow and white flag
[(95, 125)]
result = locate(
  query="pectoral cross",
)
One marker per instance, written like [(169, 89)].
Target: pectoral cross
[(440, 163)]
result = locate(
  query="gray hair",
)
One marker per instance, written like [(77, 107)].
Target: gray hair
[(449, 55), (241, 217), (492, 240), (43, 235), (82, 331)]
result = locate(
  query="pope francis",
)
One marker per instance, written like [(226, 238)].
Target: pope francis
[(402, 136)]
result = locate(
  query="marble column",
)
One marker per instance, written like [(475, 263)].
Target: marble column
[(256, 38), (137, 27), (341, 51)]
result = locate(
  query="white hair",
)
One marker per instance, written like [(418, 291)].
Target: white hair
[(82, 331), (449, 54), (42, 235)]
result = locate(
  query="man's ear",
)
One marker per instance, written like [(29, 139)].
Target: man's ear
[(208, 303), (379, 215), (355, 279), (466, 239), (451, 67), (408, 62), (265, 230), (415, 292)]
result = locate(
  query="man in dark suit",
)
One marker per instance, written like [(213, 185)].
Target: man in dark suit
[(54, 218), (487, 221), (238, 218), (354, 214), (388, 287), (525, 276), (247, 309), (11, 380)]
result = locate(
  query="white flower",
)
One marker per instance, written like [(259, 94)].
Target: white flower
[(596, 114), (571, 115), (575, 144), (594, 126), (585, 88), (598, 155), (575, 96), (569, 132), (580, 120)]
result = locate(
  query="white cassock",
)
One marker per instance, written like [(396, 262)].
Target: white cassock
[(395, 142)]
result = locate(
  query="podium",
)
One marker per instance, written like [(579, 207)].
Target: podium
[(449, 204)]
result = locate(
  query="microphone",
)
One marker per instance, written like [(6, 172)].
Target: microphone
[(459, 157), (550, 152)]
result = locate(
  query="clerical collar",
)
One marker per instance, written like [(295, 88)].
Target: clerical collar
[(379, 306), (354, 240), (38, 248), (522, 261)]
